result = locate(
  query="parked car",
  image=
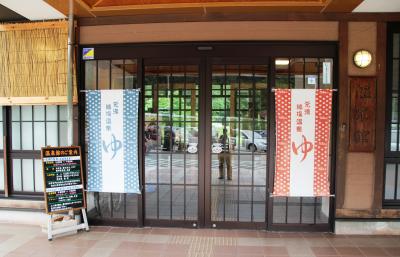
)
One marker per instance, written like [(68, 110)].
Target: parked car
[(263, 133), (252, 141)]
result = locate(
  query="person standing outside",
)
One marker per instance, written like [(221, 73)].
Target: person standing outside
[(224, 157), (169, 138)]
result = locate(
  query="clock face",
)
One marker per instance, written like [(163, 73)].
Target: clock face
[(362, 58)]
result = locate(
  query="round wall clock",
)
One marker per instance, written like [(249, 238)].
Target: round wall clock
[(362, 58)]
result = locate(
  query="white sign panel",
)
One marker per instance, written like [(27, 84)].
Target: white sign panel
[(326, 73), (302, 132), (311, 80), (112, 152)]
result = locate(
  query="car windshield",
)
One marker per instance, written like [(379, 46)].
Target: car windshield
[(257, 136)]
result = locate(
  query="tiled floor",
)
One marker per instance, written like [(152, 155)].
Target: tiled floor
[(18, 240)]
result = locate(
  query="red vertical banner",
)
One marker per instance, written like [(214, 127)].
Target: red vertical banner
[(282, 162), (303, 124), (323, 116)]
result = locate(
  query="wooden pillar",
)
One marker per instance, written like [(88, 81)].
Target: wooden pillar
[(380, 115), (343, 125), (70, 72)]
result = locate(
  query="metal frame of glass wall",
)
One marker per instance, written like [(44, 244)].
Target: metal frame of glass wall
[(235, 187), (204, 55), (171, 121), (24, 131), (391, 178), (109, 74), (303, 72)]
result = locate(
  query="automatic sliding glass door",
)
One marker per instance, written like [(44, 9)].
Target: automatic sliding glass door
[(171, 139), (238, 144), (207, 122)]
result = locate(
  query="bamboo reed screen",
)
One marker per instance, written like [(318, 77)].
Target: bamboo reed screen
[(33, 59)]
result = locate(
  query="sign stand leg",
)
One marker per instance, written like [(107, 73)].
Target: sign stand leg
[(85, 221), (49, 228), (51, 232)]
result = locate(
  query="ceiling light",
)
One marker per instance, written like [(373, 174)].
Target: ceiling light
[(281, 62)]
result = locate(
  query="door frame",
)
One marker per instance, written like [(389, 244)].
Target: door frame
[(323, 227), (200, 201), (210, 61)]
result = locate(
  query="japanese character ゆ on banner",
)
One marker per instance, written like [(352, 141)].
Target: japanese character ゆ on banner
[(112, 118), (303, 124)]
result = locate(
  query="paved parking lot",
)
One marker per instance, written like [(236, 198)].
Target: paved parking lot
[(22, 240)]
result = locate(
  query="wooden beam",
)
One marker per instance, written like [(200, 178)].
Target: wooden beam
[(198, 15), (33, 25), (36, 100), (97, 3), (288, 4), (99, 8), (204, 11), (266, 6), (22, 204), (380, 114), (341, 5), (367, 214), (92, 3), (83, 5), (81, 8)]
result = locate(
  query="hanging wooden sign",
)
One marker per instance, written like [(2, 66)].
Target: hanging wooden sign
[(362, 114)]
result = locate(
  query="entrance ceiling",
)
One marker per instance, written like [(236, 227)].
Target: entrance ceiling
[(96, 8), (7, 15)]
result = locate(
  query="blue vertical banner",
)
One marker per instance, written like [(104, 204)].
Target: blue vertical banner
[(112, 126)]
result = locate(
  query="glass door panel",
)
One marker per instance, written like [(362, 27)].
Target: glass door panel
[(302, 73), (108, 75), (238, 143), (171, 142)]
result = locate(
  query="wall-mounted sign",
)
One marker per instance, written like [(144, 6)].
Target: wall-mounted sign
[(362, 114), (326, 73), (62, 173), (87, 53), (311, 80)]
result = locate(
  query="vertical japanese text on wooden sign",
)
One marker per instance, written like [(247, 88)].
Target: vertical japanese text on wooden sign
[(362, 114)]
